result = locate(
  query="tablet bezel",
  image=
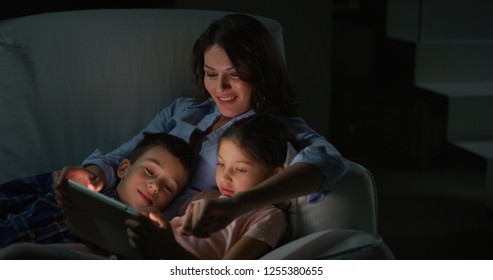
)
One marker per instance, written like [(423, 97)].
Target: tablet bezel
[(100, 220)]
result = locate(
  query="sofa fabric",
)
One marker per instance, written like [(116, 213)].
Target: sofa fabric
[(74, 81)]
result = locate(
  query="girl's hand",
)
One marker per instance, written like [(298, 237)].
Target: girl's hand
[(176, 222), (209, 215), (80, 175)]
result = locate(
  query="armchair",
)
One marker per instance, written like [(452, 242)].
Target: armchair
[(59, 71)]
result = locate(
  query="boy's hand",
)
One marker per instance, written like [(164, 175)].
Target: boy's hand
[(80, 175), (146, 211), (152, 235)]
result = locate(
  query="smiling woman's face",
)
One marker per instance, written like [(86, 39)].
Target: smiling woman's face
[(231, 94)]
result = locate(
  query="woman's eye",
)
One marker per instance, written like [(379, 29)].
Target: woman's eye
[(234, 75), (220, 164), (210, 75)]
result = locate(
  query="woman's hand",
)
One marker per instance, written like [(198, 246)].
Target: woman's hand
[(209, 215), (84, 176)]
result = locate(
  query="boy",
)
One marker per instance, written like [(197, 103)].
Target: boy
[(152, 175)]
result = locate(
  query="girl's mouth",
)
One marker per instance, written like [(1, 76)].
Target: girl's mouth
[(227, 192)]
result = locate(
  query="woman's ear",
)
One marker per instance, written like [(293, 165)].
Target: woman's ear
[(122, 168)]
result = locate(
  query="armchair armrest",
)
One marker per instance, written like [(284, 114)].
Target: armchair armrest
[(333, 244)]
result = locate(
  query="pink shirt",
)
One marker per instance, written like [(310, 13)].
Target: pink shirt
[(266, 224)]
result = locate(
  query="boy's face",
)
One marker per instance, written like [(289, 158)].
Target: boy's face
[(153, 180), (236, 172)]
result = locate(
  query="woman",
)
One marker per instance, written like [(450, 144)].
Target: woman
[(239, 71)]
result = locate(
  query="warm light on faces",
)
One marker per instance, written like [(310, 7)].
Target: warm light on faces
[(236, 172), (231, 94), (153, 180)]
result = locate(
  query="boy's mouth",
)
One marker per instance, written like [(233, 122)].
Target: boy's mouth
[(145, 197)]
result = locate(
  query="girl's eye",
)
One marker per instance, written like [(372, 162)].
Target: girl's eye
[(220, 164), (241, 170)]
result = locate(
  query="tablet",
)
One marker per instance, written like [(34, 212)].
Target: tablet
[(100, 220)]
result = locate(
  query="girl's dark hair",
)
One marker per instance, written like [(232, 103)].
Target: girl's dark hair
[(264, 137), (173, 144), (257, 59)]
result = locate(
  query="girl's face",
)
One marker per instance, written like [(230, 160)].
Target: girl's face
[(221, 80), (236, 172), (154, 179)]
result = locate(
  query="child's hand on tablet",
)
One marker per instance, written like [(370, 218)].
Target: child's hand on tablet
[(80, 175)]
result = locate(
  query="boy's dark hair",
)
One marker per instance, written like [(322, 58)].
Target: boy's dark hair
[(264, 137), (173, 144)]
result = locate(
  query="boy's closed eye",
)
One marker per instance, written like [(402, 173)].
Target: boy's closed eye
[(169, 188), (149, 171)]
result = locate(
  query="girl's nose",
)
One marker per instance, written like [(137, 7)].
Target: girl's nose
[(227, 175)]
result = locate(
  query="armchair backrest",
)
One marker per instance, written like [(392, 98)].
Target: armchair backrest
[(350, 204), (341, 226)]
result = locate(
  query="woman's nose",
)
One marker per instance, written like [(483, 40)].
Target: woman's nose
[(223, 83)]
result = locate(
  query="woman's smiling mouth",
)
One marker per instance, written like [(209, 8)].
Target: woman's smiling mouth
[(226, 99)]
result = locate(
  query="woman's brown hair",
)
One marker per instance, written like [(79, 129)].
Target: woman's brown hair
[(257, 59)]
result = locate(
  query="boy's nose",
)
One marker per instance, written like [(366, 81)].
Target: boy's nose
[(153, 187)]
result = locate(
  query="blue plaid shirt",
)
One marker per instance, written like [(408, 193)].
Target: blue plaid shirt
[(30, 213)]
